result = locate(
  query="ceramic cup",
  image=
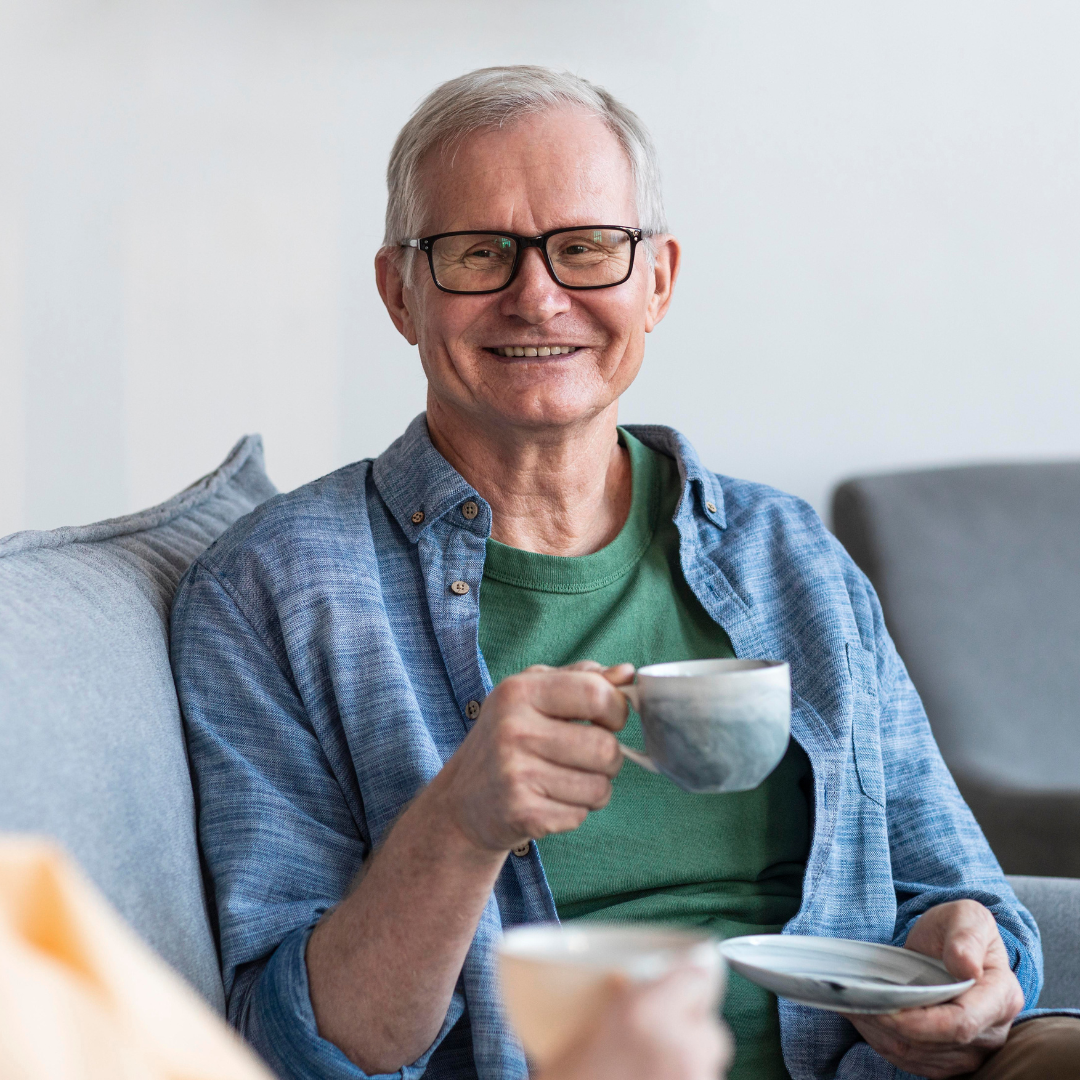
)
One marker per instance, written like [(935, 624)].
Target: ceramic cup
[(712, 725), (557, 980)]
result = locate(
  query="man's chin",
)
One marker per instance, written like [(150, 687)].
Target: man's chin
[(531, 409), (546, 415)]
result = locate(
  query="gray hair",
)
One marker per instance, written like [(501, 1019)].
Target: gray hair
[(498, 97)]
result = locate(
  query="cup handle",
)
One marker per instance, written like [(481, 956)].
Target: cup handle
[(636, 756)]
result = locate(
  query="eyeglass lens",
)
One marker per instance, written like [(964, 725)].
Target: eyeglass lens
[(481, 262)]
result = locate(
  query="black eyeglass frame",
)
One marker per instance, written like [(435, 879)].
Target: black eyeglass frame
[(427, 243)]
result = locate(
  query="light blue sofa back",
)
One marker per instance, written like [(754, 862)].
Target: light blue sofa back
[(91, 747)]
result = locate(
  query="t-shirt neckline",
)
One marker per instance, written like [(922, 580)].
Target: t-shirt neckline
[(586, 573)]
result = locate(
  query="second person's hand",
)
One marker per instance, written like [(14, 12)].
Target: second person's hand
[(662, 1030)]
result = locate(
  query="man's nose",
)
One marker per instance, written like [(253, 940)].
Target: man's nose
[(534, 295)]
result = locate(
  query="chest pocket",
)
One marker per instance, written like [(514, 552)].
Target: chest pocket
[(865, 722)]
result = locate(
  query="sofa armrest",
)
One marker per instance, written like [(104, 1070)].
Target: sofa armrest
[(1055, 903)]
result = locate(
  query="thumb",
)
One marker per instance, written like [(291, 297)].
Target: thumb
[(960, 933), (619, 674), (965, 948)]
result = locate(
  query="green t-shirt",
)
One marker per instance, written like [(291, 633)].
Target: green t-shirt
[(730, 864)]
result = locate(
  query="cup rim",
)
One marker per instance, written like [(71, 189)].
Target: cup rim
[(554, 942), (724, 667)]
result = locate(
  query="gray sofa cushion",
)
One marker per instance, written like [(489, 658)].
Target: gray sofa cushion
[(1055, 903), (978, 570), (91, 746)]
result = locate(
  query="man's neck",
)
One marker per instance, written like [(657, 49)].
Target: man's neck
[(565, 491)]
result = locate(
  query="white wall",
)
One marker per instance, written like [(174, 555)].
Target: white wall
[(878, 202)]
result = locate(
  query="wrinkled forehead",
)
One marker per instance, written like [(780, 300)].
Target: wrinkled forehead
[(554, 168)]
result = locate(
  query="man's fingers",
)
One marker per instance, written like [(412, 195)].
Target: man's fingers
[(575, 746), (984, 1007), (925, 1059), (615, 672), (566, 695), (572, 787), (939, 1025), (619, 674)]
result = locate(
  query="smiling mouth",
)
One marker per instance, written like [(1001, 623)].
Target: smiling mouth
[(532, 350)]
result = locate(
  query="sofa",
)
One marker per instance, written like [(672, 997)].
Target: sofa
[(91, 746), (91, 743)]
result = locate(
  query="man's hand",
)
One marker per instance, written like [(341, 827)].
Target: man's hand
[(939, 1041), (662, 1030), (524, 770), (383, 964)]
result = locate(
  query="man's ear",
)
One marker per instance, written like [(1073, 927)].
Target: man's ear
[(665, 270), (392, 289)]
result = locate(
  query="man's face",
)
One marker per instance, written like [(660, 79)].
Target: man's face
[(558, 168)]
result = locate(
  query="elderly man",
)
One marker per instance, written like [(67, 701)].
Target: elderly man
[(378, 671)]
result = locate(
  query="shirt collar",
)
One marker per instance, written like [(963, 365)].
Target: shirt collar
[(697, 481), (414, 478)]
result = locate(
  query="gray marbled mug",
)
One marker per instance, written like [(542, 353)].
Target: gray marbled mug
[(712, 725)]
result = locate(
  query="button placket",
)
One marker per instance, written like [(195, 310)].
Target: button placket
[(522, 849), (451, 557)]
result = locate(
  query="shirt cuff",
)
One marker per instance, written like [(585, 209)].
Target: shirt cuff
[(280, 1023), (1023, 967)]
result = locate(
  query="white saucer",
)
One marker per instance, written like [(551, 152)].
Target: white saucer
[(841, 975)]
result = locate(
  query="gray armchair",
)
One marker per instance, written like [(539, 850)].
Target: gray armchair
[(978, 570), (1055, 903)]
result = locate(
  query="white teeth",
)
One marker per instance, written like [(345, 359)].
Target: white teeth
[(540, 350)]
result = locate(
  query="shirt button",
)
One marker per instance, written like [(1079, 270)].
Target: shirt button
[(459, 587), (472, 710), (522, 849), (711, 507), (418, 517), (469, 510)]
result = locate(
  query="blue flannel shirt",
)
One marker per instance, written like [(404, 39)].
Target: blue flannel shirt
[(324, 667)]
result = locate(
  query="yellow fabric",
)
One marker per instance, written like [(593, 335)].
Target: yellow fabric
[(82, 998)]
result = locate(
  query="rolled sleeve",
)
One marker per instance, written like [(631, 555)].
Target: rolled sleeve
[(279, 1022), (279, 824), (1027, 971)]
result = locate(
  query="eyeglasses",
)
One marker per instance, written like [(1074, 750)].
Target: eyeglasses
[(581, 257)]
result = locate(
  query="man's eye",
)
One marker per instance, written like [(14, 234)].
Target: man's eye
[(575, 249)]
